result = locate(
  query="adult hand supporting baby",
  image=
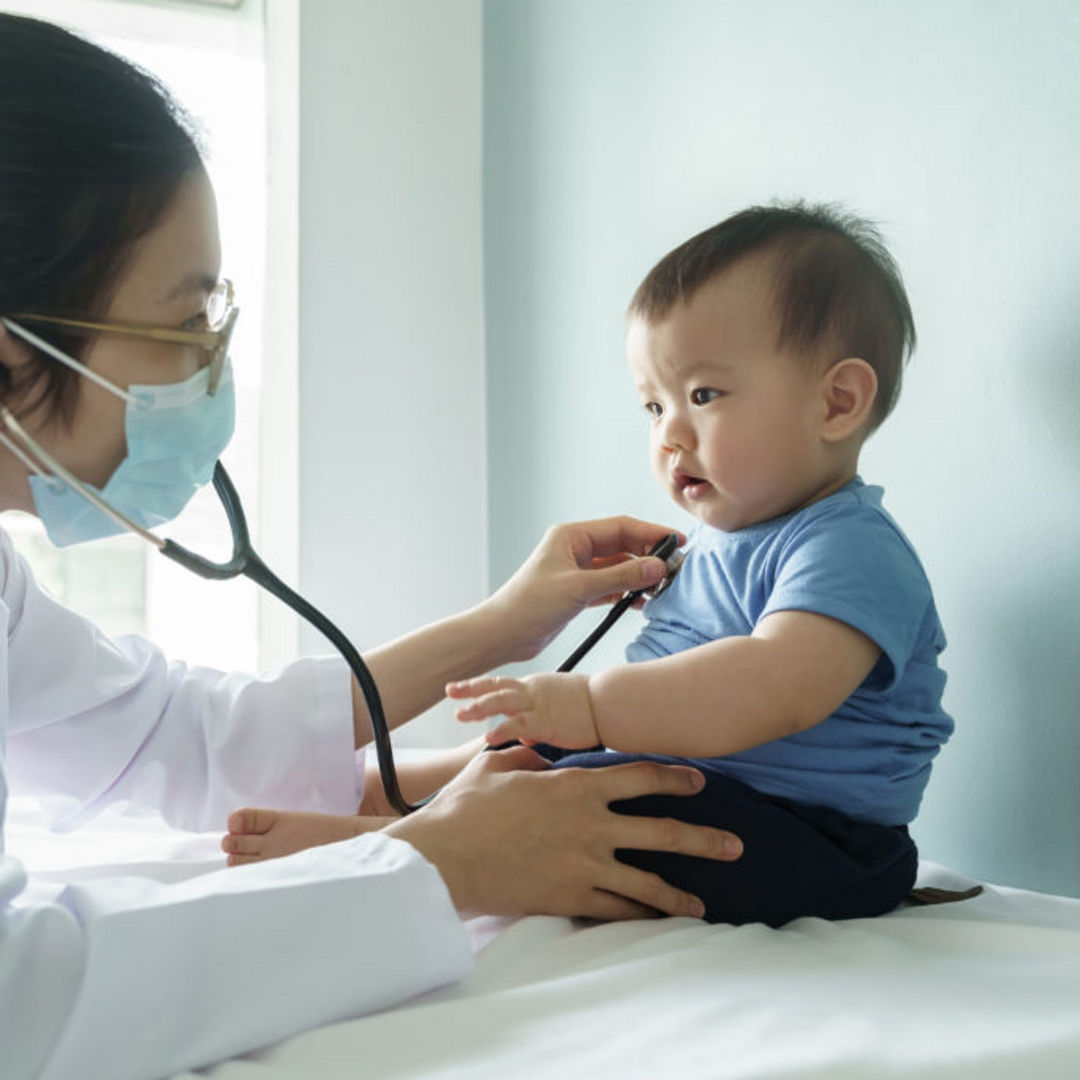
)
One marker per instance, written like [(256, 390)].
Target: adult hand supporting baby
[(511, 837)]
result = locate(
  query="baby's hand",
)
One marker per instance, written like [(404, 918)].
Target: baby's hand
[(552, 709)]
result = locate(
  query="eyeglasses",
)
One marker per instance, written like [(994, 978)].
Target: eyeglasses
[(221, 315)]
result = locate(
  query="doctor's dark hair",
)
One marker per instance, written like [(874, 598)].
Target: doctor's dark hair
[(92, 152), (836, 287)]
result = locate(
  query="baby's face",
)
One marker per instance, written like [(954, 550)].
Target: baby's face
[(735, 422)]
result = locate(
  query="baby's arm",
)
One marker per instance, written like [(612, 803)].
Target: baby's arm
[(716, 699)]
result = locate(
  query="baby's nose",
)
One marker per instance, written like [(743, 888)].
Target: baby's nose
[(676, 433)]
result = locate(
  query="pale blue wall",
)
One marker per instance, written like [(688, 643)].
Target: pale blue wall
[(616, 128), (391, 332)]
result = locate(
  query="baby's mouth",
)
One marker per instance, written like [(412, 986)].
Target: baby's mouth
[(693, 487)]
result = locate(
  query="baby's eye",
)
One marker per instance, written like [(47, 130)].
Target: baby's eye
[(196, 322), (704, 394), (653, 408)]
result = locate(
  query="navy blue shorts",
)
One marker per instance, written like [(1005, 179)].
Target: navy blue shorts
[(797, 860)]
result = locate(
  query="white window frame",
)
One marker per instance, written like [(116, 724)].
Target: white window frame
[(279, 461)]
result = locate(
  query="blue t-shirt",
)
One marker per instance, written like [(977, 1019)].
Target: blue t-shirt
[(846, 558)]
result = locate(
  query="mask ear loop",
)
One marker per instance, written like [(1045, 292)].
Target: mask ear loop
[(21, 454), (5, 413), (51, 350), (56, 473)]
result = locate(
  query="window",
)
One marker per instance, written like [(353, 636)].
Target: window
[(213, 61)]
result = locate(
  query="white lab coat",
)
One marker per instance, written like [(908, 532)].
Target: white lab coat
[(129, 978)]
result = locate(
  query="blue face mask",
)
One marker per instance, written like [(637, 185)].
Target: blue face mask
[(175, 434)]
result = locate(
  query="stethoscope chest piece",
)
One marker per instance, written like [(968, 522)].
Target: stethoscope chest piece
[(673, 559)]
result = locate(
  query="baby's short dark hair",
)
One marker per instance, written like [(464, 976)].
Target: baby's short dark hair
[(836, 285)]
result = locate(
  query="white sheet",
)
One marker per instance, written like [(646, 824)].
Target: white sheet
[(988, 988)]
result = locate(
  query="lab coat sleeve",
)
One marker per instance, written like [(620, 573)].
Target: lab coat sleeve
[(129, 979), (93, 720)]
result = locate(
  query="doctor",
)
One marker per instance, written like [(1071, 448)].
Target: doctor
[(107, 217)]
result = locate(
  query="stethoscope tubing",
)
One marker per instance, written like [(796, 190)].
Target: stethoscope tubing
[(246, 562), (666, 550)]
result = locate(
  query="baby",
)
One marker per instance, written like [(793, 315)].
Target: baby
[(794, 658)]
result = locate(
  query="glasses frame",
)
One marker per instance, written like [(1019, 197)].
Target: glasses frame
[(213, 342)]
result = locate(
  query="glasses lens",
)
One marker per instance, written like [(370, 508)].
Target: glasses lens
[(219, 305)]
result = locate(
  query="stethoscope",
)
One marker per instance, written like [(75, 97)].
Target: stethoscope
[(246, 562)]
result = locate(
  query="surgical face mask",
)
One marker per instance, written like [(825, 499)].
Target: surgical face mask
[(175, 434)]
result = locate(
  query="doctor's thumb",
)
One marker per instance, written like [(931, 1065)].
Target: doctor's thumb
[(631, 575)]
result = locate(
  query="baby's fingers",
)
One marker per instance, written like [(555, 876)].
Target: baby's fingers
[(499, 703), (485, 684)]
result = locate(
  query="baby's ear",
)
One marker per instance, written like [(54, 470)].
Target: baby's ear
[(849, 389)]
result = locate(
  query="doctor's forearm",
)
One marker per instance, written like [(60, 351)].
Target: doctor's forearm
[(412, 671)]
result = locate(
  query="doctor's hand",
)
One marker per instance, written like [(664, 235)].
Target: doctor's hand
[(511, 837), (555, 709), (573, 567)]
